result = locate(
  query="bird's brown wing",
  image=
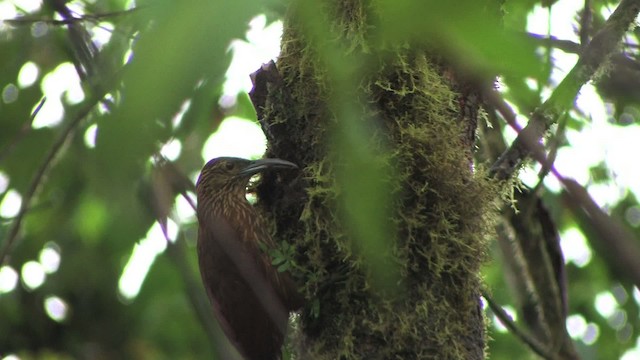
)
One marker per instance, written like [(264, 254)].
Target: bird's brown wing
[(282, 282), (249, 311), (284, 285)]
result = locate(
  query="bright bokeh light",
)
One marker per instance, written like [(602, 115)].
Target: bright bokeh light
[(497, 323), (90, 136), (531, 83), (28, 6), (11, 357), (172, 231), (32, 274), (620, 293), (10, 205), (8, 279), (77, 8), (576, 326), (529, 174), (10, 94), (605, 304), (598, 141), (632, 354), (183, 210), (142, 257), (622, 142), (171, 150), (618, 319), (102, 107), (235, 137), (261, 46), (632, 214), (575, 164), (574, 247), (63, 80), (126, 58), (4, 182), (636, 295), (591, 334), (39, 29), (606, 194), (101, 34), (541, 20), (50, 114), (7, 11), (28, 74), (50, 258), (177, 119), (56, 308)]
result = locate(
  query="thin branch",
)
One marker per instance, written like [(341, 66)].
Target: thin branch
[(23, 130), (603, 44), (84, 49), (552, 41), (613, 236), (26, 20), (493, 98), (189, 200), (99, 94), (585, 23), (620, 241), (508, 322), (553, 145), (40, 174), (178, 181)]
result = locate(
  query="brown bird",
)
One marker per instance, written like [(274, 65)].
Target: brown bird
[(250, 298)]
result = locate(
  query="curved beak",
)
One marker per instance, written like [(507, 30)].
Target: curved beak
[(257, 166)]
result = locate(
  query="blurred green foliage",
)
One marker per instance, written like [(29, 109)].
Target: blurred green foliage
[(93, 203)]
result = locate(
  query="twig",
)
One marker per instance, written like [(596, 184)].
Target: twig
[(493, 98), (564, 45), (23, 131), (39, 175), (621, 243), (506, 320), (585, 23), (553, 145), (603, 44), (99, 94), (71, 20), (189, 200)]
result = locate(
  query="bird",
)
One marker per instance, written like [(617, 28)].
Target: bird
[(250, 298)]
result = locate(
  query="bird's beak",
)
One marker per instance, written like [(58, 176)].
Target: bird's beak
[(260, 165)]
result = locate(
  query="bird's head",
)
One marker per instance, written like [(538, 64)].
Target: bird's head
[(230, 175)]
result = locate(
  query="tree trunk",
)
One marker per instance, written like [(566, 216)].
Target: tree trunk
[(440, 207)]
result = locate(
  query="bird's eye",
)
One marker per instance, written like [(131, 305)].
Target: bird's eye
[(229, 166)]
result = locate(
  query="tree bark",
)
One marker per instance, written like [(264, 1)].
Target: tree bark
[(441, 209)]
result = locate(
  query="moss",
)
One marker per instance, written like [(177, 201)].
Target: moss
[(442, 208)]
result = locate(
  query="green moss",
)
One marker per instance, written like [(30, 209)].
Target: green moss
[(442, 209)]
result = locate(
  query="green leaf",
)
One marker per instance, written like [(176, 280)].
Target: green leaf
[(186, 44)]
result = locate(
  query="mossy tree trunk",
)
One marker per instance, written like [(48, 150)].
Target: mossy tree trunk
[(440, 208)]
